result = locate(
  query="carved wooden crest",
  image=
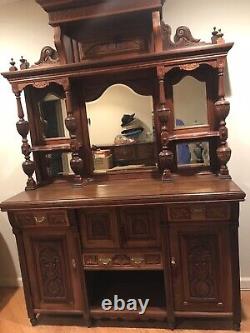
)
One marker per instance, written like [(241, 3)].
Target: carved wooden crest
[(183, 37), (48, 56)]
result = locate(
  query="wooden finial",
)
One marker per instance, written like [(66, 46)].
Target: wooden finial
[(217, 36), (24, 63), (13, 67)]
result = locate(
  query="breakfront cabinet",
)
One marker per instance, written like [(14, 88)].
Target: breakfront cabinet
[(125, 150)]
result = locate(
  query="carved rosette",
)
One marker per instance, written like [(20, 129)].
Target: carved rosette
[(76, 162), (23, 129)]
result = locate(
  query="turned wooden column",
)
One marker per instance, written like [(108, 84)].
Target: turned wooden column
[(165, 155), (76, 161), (23, 129), (222, 108)]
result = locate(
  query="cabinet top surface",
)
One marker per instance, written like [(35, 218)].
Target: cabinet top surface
[(130, 191)]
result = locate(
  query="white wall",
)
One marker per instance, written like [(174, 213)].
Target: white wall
[(24, 31)]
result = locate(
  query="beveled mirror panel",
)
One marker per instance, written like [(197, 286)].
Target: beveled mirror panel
[(52, 115), (193, 153), (190, 103), (121, 129), (58, 163)]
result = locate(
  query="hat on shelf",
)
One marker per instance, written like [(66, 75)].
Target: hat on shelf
[(127, 119)]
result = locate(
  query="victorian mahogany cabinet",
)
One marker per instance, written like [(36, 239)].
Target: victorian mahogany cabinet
[(150, 212)]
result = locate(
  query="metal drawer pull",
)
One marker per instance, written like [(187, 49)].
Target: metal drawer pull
[(40, 219), (137, 260), (173, 262), (105, 260), (73, 263)]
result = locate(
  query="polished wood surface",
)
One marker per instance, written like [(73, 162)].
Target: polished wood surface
[(13, 319), (134, 191)]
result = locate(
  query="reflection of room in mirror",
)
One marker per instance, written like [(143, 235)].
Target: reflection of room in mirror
[(193, 153), (105, 115), (52, 115), (58, 163), (190, 102)]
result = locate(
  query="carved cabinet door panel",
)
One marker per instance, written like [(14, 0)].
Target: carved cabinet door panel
[(201, 269), (98, 228), (54, 270), (140, 226)]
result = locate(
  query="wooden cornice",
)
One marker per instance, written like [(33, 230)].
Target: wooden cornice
[(67, 11), (172, 57)]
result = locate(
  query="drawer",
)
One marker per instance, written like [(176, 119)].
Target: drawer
[(150, 260), (199, 212), (98, 228), (41, 218)]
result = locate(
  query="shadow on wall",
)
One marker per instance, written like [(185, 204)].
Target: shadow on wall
[(228, 90), (8, 275)]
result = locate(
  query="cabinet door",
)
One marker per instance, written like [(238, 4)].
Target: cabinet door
[(140, 227), (201, 268), (54, 270), (98, 228)]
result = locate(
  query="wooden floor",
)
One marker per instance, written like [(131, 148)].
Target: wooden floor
[(13, 318)]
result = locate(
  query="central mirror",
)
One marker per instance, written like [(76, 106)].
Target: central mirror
[(190, 103), (121, 129)]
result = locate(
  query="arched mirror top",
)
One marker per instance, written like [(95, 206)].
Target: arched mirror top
[(105, 115), (121, 124), (190, 103)]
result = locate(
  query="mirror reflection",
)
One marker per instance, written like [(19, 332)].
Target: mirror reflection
[(58, 164), (190, 102), (121, 129), (193, 153), (52, 115)]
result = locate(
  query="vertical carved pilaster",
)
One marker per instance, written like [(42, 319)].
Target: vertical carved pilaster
[(165, 155), (76, 162), (222, 108), (23, 129)]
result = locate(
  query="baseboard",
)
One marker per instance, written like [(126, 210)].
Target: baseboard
[(245, 283), (11, 282)]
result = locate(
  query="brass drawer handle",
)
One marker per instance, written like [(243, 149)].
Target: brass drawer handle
[(40, 219), (73, 261), (137, 260), (105, 260), (173, 262)]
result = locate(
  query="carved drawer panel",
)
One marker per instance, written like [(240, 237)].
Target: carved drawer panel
[(42, 218), (98, 228), (199, 212), (122, 260), (140, 227)]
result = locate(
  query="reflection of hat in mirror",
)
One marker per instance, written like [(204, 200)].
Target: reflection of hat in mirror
[(127, 118)]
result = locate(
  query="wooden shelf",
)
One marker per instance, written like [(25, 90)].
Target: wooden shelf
[(194, 136), (49, 148), (155, 313)]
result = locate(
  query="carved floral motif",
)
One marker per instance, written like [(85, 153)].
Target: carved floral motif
[(50, 263)]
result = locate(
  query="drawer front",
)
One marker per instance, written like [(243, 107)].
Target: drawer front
[(122, 260), (199, 212), (140, 226), (42, 218), (98, 228)]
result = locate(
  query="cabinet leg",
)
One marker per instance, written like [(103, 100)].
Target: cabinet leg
[(33, 320), (171, 325), (236, 326)]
